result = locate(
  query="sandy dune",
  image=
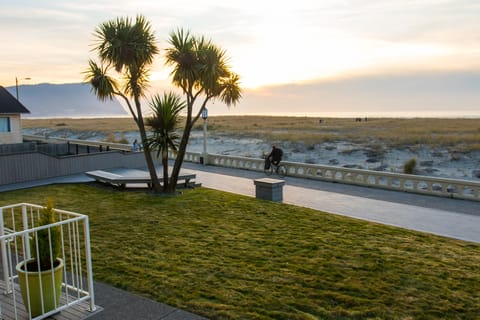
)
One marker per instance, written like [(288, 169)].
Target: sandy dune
[(430, 162)]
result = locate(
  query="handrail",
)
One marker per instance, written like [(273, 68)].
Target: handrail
[(20, 226)]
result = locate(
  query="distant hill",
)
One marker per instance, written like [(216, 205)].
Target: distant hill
[(65, 100)]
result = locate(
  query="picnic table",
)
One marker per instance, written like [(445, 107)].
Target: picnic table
[(121, 177)]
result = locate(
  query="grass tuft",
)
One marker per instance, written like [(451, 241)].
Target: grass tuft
[(410, 166)]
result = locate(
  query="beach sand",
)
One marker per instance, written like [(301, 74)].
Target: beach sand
[(448, 148), (430, 162)]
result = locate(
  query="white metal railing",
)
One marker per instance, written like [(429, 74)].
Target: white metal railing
[(451, 188), (19, 229)]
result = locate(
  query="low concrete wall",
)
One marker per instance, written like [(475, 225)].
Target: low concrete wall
[(31, 169), (443, 187), (35, 165), (43, 158)]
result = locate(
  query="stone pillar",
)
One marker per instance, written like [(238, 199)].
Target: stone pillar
[(269, 189)]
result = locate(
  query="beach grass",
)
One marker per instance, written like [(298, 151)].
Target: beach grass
[(461, 135), (227, 256)]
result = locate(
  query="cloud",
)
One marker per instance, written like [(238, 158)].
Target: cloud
[(433, 93), (268, 42)]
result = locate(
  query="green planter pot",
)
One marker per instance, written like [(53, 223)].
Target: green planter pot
[(48, 285)]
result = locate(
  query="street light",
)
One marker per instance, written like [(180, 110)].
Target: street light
[(16, 84), (204, 116)]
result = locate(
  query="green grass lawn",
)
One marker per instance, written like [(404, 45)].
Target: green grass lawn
[(227, 256)]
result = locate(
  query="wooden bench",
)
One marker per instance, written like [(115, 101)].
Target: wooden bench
[(185, 179), (104, 176)]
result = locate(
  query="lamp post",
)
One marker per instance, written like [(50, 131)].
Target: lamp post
[(16, 84), (204, 117)]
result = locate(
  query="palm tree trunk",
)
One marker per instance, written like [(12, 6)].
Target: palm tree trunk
[(146, 149), (165, 170), (157, 188), (180, 156)]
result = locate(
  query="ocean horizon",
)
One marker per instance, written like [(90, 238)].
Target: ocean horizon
[(454, 114)]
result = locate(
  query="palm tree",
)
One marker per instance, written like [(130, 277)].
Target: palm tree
[(164, 121), (201, 70), (129, 48)]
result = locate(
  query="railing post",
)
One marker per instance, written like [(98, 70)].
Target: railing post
[(4, 256), (89, 265), (26, 241)]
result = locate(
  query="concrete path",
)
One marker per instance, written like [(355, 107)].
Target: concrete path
[(459, 219), (120, 304)]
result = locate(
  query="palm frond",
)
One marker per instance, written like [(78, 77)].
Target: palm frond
[(103, 85), (136, 81), (231, 91), (182, 56), (214, 67), (166, 113), (125, 44)]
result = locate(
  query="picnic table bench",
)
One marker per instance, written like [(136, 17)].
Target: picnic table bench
[(121, 179)]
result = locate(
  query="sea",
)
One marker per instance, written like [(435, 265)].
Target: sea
[(454, 114)]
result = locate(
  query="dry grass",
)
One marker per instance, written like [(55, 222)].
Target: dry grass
[(94, 124), (455, 134)]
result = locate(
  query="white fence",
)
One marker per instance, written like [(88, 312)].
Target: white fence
[(19, 234), (452, 188)]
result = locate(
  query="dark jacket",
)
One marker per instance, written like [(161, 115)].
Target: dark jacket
[(276, 155)]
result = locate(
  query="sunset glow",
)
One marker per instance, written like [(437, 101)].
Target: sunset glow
[(269, 42)]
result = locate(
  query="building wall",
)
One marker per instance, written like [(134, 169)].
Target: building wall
[(15, 134)]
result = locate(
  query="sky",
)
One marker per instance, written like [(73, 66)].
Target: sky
[(330, 54)]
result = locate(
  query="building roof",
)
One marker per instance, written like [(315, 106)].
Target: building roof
[(8, 103)]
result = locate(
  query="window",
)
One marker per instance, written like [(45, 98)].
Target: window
[(5, 124)]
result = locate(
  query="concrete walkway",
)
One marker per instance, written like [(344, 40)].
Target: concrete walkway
[(120, 304), (459, 219)]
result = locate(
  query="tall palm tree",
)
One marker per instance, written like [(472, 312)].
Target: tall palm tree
[(164, 123), (201, 70), (129, 48)]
